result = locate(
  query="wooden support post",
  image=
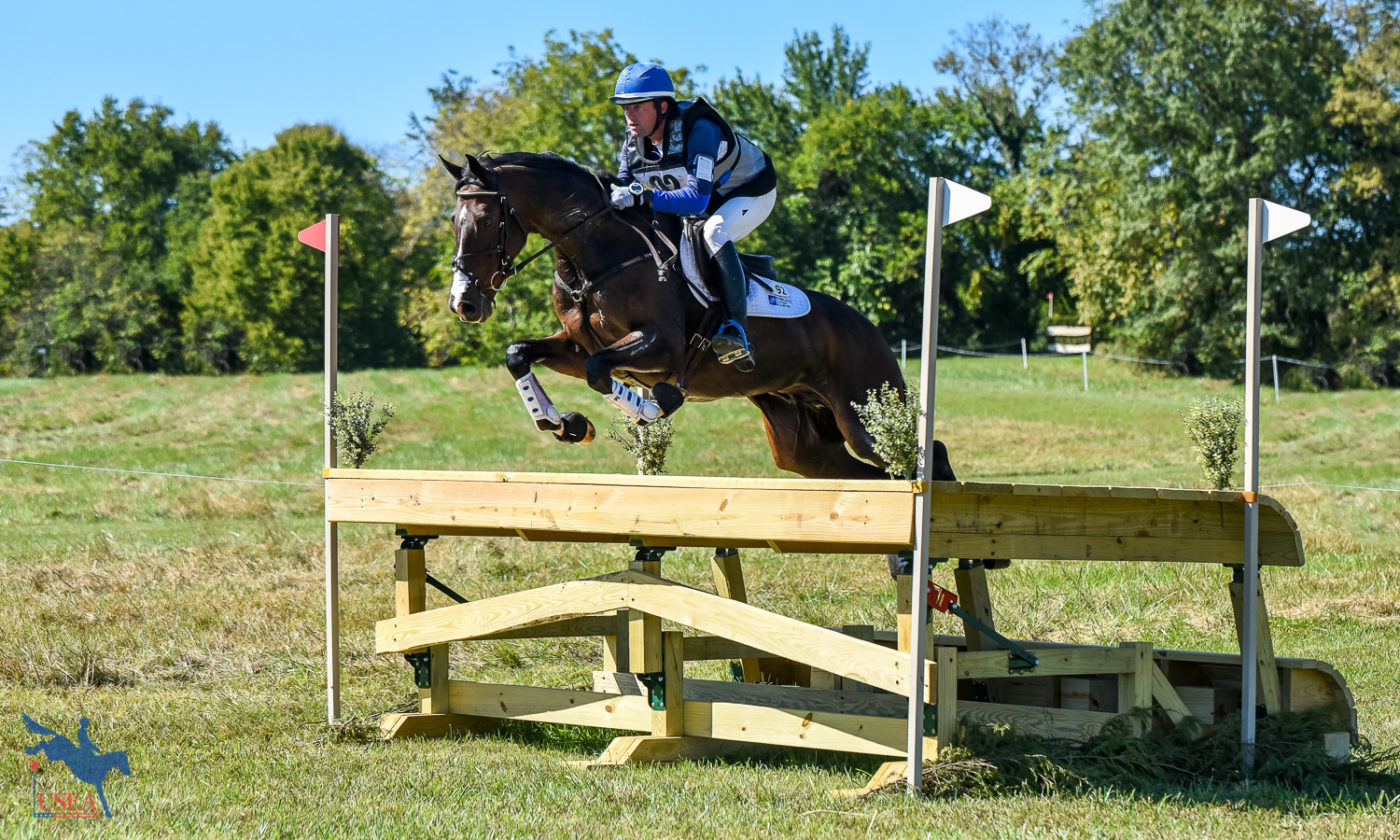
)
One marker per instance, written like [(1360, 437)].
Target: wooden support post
[(1135, 686), (946, 697), (670, 721), (971, 581), (903, 592), (643, 630), (410, 596), (1270, 693), (615, 645), (729, 583)]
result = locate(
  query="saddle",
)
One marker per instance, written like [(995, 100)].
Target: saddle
[(758, 268)]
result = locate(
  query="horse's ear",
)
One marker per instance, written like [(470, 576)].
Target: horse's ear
[(478, 171), (452, 169)]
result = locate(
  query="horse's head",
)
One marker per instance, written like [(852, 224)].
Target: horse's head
[(488, 237)]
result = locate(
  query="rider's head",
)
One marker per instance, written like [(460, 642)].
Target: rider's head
[(83, 723), (647, 97)]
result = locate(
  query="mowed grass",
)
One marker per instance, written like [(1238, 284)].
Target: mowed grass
[(184, 616)]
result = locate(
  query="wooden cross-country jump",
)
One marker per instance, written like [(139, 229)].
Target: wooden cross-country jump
[(843, 688), (893, 692)]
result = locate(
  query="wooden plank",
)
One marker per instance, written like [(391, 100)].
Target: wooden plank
[(582, 627), (996, 521), (1166, 697), (741, 514), (649, 482), (1269, 692), (650, 749), (1135, 683), (703, 648), (786, 637), (792, 698), (724, 721), (1054, 662), (501, 613), (975, 597), (670, 720), (410, 597), (644, 631), (414, 725), (728, 573), (945, 684), (1051, 723)]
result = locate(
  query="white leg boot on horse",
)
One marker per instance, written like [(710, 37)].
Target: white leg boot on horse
[(731, 342)]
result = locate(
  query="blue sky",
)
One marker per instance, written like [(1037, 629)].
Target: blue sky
[(257, 67)]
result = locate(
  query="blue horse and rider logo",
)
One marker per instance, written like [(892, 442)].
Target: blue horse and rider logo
[(90, 765)]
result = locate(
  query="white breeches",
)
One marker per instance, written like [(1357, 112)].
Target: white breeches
[(737, 218)]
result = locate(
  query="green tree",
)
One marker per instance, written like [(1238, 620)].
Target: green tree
[(1191, 108), (1365, 107), (255, 299), (99, 193), (1003, 82)]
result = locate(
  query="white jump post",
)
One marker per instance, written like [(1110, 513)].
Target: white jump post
[(1267, 222), (325, 236), (948, 202)]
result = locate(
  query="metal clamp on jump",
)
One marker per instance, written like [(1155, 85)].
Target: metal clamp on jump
[(944, 601)]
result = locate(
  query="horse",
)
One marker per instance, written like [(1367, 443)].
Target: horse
[(90, 768), (626, 311)]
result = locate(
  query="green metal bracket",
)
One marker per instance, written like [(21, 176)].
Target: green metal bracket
[(656, 689), (931, 720), (736, 671), (422, 668)]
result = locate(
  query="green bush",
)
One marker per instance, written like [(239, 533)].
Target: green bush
[(1213, 424), (892, 419), (354, 426)]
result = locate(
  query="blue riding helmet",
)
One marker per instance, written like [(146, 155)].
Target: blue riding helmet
[(641, 82)]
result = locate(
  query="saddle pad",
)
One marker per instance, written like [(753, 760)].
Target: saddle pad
[(767, 298)]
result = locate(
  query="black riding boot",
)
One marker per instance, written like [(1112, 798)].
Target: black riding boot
[(731, 342)]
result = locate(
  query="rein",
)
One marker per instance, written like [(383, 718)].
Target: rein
[(508, 267)]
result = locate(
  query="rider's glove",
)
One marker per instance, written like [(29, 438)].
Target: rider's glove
[(622, 198), (633, 193)]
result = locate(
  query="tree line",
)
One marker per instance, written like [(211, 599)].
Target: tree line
[(1119, 161)]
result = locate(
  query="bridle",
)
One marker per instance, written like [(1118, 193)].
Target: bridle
[(507, 267)]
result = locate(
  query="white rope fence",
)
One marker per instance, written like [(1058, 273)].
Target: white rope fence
[(905, 349)]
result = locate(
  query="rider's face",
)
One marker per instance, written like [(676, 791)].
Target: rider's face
[(643, 118)]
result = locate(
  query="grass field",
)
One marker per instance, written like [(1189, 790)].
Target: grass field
[(183, 616)]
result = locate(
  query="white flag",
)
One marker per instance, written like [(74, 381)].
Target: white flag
[(960, 202), (1281, 221)]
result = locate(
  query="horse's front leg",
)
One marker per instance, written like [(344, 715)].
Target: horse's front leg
[(558, 353), (641, 350)]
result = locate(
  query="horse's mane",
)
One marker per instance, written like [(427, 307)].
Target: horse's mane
[(548, 162)]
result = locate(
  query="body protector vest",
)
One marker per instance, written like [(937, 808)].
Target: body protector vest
[(741, 168)]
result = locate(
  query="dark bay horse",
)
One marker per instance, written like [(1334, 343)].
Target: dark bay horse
[(626, 313)]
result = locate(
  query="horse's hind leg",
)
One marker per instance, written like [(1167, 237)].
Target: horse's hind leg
[(805, 440), (861, 442)]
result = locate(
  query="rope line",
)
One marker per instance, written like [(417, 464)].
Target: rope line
[(161, 474)]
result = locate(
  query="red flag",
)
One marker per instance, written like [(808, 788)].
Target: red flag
[(315, 236)]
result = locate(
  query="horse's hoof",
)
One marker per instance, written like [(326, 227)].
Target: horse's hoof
[(668, 397), (576, 429), (544, 424)]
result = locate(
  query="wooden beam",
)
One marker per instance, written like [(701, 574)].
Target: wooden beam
[(792, 698), (724, 721), (785, 637), (501, 613), (995, 521), (989, 664), (1269, 691), (410, 598), (728, 573)]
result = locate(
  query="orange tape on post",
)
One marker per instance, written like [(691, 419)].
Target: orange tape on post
[(1250, 496)]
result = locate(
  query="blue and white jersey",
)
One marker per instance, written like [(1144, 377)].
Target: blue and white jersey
[(701, 162)]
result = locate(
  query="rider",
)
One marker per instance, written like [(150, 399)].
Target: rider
[(85, 744), (683, 158)]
